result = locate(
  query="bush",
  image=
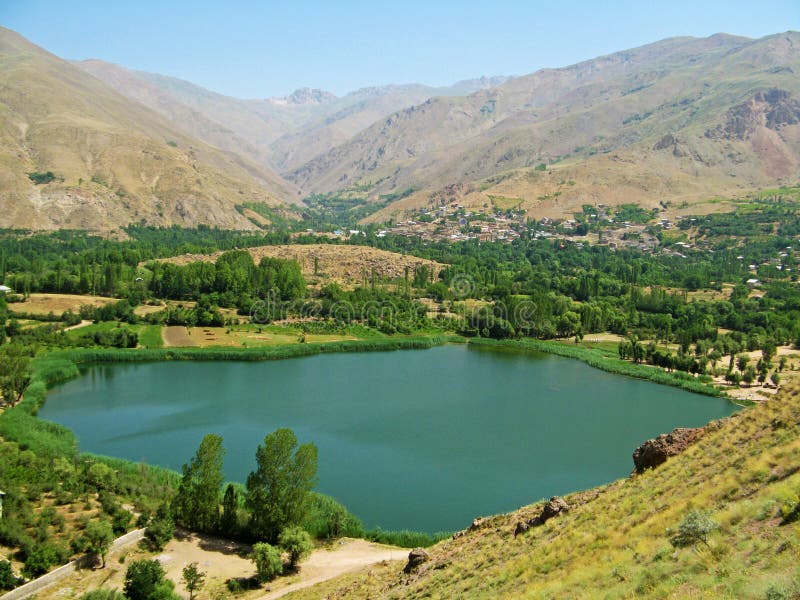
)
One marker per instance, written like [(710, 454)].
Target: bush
[(41, 558), (7, 579), (297, 542), (694, 528), (328, 519), (161, 529), (103, 594), (39, 178), (268, 561), (142, 578)]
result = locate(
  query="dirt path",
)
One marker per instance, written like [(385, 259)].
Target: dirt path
[(345, 556), (83, 323)]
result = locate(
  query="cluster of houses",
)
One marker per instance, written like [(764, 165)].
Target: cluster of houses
[(455, 223)]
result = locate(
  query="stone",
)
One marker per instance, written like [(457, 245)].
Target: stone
[(416, 557), (656, 451), (555, 506)]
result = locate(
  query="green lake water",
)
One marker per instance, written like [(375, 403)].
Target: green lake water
[(417, 439)]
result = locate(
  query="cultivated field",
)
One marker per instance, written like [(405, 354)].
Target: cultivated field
[(43, 304)]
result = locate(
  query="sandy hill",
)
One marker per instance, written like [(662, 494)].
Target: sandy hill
[(614, 541), (112, 161), (683, 118)]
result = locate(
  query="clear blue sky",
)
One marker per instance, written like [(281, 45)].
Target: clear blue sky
[(258, 49)]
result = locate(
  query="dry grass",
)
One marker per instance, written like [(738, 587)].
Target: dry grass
[(42, 304), (341, 263), (240, 336)]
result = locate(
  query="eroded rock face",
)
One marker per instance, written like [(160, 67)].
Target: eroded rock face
[(416, 557), (656, 451), (772, 109)]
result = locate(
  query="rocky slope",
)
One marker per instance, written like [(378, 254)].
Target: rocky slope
[(75, 154)]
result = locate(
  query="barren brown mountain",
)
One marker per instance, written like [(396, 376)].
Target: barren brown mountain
[(76, 154), (280, 133), (680, 119), (684, 119)]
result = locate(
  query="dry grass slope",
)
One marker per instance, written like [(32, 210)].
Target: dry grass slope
[(113, 160), (614, 542), (340, 263)]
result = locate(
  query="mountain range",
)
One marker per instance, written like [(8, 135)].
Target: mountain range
[(683, 119)]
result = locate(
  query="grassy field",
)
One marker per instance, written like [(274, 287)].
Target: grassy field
[(615, 540)]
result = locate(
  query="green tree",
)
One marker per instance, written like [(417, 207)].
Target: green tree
[(197, 502), (15, 372), (7, 579), (193, 579), (40, 559), (229, 523), (99, 536), (296, 541), (742, 361), (278, 490), (749, 375), (694, 528), (775, 378), (161, 528), (267, 559), (142, 578)]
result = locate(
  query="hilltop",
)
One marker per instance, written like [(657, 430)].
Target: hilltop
[(743, 473)]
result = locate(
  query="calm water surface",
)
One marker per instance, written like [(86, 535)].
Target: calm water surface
[(418, 439)]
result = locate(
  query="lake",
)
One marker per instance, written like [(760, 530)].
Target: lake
[(417, 439)]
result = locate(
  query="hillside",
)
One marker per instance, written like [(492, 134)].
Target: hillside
[(680, 119), (280, 133), (743, 473), (100, 161), (325, 263)]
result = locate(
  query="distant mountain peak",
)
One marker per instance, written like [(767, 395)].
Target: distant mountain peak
[(306, 95)]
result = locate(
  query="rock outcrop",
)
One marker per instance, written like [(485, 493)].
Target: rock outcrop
[(416, 557), (656, 451), (554, 507)]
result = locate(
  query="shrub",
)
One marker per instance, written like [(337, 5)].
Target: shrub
[(141, 579), (161, 529), (103, 594), (40, 178), (297, 542), (41, 558), (7, 579), (694, 528), (268, 561)]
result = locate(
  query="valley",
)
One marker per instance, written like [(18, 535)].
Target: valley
[(382, 316)]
